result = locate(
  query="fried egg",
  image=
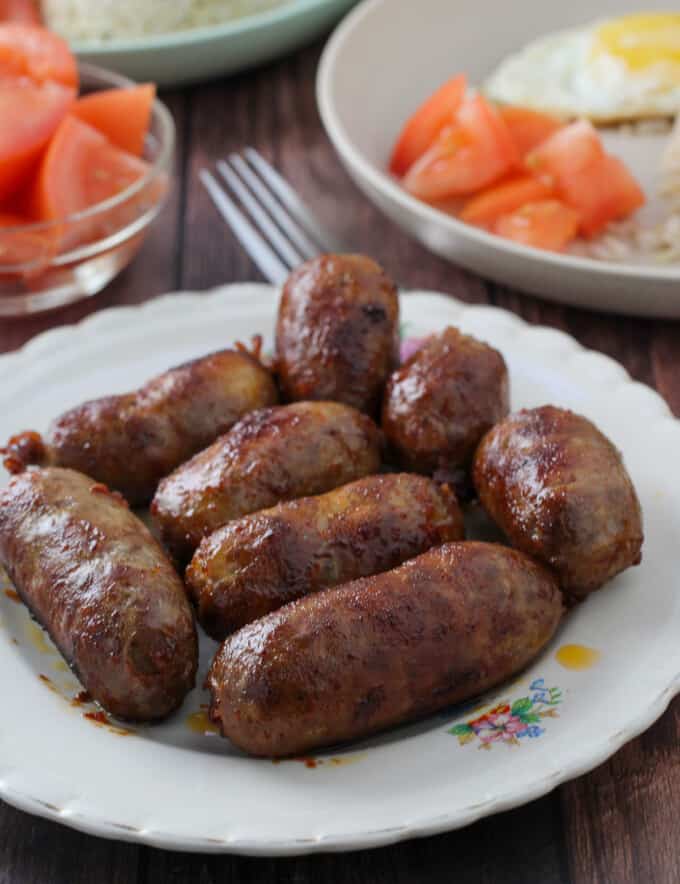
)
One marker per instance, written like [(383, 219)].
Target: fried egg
[(626, 68)]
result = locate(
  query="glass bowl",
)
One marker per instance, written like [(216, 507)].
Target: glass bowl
[(50, 264)]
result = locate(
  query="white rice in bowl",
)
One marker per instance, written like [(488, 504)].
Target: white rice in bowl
[(101, 20)]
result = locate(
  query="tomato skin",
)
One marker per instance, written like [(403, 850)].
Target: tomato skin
[(528, 128), (425, 125), (485, 207), (22, 11), (122, 115), (32, 113), (470, 154), (545, 224), (36, 53)]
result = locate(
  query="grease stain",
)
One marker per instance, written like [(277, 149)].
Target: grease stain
[(199, 723), (577, 657)]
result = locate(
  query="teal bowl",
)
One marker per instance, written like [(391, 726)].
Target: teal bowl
[(182, 57)]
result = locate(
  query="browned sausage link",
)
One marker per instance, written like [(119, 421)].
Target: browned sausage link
[(271, 455), (383, 650), (559, 490), (260, 562), (337, 331), (100, 584), (130, 442), (440, 403)]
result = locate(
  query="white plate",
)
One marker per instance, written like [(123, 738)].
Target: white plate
[(404, 58), (182, 57), (171, 787)]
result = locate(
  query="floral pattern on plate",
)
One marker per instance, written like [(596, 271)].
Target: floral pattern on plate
[(510, 722)]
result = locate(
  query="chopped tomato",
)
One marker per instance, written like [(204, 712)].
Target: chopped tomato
[(547, 224), (500, 199), (604, 192), (473, 152), (80, 169), (24, 11), (528, 128), (19, 245), (36, 53), (567, 152), (425, 125), (29, 115), (121, 114), (594, 183)]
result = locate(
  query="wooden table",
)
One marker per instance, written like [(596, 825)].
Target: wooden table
[(618, 824)]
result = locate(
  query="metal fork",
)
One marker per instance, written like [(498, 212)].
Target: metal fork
[(281, 231)]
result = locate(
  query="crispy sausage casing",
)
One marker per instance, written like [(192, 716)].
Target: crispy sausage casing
[(260, 562), (440, 403), (271, 455), (100, 584), (559, 490), (337, 331), (131, 442), (350, 661)]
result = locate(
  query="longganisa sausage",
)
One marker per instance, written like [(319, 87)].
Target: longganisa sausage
[(100, 584), (351, 661), (131, 442), (260, 562), (337, 331), (272, 455), (442, 400), (559, 490)]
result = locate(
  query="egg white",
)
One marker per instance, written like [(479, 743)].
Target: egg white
[(559, 74)]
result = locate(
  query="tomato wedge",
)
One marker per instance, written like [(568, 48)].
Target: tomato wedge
[(121, 114), (24, 11), (528, 128), (546, 224), (487, 206), (30, 114), (80, 169), (36, 53), (568, 152), (472, 153), (604, 192), (594, 183), (428, 121)]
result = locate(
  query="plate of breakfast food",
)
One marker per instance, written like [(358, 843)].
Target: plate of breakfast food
[(144, 40), (542, 153), (325, 568)]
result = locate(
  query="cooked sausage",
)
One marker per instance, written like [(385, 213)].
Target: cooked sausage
[(440, 403), (272, 455), (130, 442), (350, 661), (557, 487), (337, 331), (95, 578), (260, 562)]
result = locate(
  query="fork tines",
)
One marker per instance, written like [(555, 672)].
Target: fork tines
[(281, 231)]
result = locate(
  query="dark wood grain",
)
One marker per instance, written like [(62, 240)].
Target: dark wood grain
[(618, 824)]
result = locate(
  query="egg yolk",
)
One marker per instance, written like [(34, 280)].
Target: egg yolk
[(642, 40)]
